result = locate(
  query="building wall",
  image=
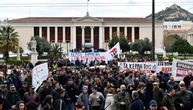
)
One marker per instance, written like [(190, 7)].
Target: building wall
[(25, 34), (146, 32), (26, 31)]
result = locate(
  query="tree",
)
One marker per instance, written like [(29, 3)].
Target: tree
[(141, 46), (42, 45), (122, 40), (169, 41), (55, 52), (181, 46), (8, 40)]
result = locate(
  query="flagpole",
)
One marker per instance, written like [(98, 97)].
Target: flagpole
[(87, 6)]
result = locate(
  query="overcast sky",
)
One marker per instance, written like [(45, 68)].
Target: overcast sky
[(77, 8)]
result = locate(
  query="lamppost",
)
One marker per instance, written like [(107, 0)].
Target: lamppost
[(67, 45), (153, 30)]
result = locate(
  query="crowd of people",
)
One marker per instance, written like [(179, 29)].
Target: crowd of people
[(84, 86)]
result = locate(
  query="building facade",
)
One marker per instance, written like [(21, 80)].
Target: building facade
[(76, 32), (181, 28)]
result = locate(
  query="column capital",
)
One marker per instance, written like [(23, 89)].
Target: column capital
[(92, 27), (82, 27)]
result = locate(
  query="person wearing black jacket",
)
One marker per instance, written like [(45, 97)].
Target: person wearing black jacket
[(137, 103), (184, 98), (188, 79)]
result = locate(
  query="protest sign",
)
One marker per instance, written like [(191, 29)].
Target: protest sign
[(163, 66), (91, 56), (180, 69), (39, 74), (146, 67)]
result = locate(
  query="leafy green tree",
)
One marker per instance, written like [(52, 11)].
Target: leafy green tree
[(141, 46), (42, 45), (122, 40), (8, 40), (55, 52), (169, 41), (181, 46)]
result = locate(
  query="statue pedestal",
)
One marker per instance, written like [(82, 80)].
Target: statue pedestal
[(34, 58)]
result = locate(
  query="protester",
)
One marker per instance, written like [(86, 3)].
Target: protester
[(83, 99), (48, 103), (153, 105), (169, 99), (110, 102), (93, 88), (137, 103), (96, 99), (191, 87), (59, 103), (31, 99), (21, 106), (122, 99), (188, 78), (158, 94), (12, 98), (184, 98)]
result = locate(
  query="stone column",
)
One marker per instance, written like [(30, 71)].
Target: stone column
[(40, 31), (64, 35), (92, 35), (110, 33), (83, 36), (118, 31), (73, 36), (133, 34), (125, 32), (101, 37), (48, 34), (56, 34)]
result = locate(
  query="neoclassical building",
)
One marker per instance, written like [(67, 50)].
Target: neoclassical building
[(76, 32)]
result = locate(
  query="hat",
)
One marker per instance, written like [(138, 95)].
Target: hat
[(152, 102)]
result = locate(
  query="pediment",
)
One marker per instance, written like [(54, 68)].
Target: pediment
[(87, 18)]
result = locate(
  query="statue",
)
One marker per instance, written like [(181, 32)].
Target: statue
[(33, 44)]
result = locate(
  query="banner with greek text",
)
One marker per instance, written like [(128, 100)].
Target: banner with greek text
[(91, 56), (181, 69), (164, 66), (145, 67)]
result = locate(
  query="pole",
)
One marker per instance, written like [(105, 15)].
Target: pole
[(153, 30)]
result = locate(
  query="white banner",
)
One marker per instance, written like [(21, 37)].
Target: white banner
[(164, 66), (39, 74), (91, 56), (180, 69), (146, 67)]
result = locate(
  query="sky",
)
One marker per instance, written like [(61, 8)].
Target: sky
[(77, 8)]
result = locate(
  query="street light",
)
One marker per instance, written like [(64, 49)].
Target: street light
[(67, 41), (153, 30)]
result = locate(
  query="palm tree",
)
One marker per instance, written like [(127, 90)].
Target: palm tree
[(8, 40), (55, 52)]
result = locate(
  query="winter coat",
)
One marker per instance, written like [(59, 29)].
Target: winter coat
[(185, 98), (110, 102), (168, 101), (11, 99), (82, 101), (124, 98), (137, 104)]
